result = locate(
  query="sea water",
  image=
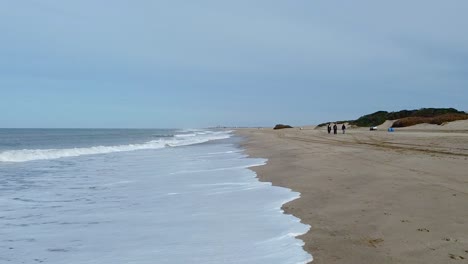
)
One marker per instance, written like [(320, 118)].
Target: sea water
[(139, 196)]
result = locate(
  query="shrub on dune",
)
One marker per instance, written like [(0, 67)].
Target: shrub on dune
[(436, 120)]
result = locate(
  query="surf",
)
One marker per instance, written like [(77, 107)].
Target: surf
[(24, 155)]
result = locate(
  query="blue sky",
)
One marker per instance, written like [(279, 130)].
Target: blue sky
[(237, 63)]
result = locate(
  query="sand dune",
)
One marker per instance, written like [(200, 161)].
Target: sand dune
[(456, 125), (386, 125)]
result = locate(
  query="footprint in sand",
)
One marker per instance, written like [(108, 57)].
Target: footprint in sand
[(375, 242), (453, 256)]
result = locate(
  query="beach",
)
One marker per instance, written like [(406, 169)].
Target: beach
[(372, 196)]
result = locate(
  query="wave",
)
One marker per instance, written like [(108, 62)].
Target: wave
[(163, 135), (187, 135), (46, 154)]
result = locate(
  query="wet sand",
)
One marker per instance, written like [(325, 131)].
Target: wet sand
[(372, 196)]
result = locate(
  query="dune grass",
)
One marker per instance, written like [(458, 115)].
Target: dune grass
[(436, 120), (408, 117)]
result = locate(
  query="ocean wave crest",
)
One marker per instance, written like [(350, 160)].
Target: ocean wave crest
[(45, 154)]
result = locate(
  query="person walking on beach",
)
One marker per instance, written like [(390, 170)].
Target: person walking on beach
[(329, 128), (335, 129), (343, 127)]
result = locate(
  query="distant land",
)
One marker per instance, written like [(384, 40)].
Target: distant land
[(405, 118)]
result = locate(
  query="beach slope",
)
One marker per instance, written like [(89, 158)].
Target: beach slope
[(372, 196)]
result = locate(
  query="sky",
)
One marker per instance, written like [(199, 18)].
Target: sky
[(181, 64)]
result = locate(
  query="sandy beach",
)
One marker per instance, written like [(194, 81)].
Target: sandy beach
[(373, 196)]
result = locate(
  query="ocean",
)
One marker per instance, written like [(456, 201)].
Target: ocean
[(109, 196)]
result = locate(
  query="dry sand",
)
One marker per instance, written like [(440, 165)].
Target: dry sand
[(373, 196)]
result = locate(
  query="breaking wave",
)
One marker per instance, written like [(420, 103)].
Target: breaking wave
[(45, 154)]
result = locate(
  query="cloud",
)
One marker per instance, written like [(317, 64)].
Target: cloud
[(283, 50)]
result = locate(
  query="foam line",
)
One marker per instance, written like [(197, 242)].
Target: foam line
[(45, 154)]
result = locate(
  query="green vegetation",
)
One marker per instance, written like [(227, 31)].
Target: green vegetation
[(374, 119), (281, 126), (408, 117), (436, 120), (338, 122)]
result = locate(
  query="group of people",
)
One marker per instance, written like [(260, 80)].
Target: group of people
[(335, 128)]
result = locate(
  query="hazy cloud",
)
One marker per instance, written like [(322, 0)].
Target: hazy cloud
[(346, 57)]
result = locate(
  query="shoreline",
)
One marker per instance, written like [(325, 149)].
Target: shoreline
[(370, 197), (240, 141)]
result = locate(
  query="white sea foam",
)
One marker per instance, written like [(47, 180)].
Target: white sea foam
[(45, 154), (218, 169), (186, 135), (131, 209)]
